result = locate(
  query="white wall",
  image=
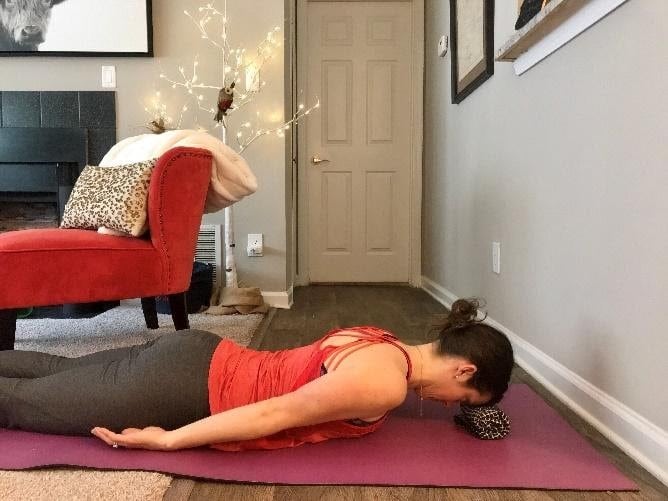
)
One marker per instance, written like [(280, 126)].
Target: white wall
[(566, 166), (176, 42)]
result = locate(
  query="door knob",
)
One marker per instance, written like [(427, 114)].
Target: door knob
[(317, 160)]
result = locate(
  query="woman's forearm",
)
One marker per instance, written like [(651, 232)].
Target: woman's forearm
[(242, 423)]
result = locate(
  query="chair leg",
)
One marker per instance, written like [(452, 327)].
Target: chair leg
[(7, 329), (150, 313), (177, 303)]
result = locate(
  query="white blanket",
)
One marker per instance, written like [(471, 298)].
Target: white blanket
[(231, 178)]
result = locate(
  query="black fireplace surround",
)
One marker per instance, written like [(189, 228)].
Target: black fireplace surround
[(40, 164), (94, 111), (46, 139)]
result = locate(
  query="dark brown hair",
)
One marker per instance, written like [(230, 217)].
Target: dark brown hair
[(463, 334)]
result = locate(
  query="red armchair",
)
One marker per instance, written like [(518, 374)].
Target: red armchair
[(43, 267)]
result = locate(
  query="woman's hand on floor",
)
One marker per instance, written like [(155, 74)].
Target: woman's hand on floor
[(152, 438)]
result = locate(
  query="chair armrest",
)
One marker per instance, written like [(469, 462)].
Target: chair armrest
[(176, 197)]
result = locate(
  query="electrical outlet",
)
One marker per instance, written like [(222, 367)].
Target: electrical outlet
[(255, 246), (496, 257)]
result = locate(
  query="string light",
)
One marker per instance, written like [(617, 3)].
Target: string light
[(158, 111), (244, 140), (236, 64)]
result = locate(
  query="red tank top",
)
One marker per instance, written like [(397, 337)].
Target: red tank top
[(240, 376)]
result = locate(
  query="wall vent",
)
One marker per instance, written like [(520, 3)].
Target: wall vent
[(210, 249)]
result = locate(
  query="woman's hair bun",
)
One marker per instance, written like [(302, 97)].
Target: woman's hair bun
[(463, 312)]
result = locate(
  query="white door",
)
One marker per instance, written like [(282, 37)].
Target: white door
[(359, 153)]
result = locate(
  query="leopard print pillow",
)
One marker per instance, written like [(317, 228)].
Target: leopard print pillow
[(110, 197), (486, 422)]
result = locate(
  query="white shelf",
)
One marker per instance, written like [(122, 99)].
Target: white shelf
[(559, 22)]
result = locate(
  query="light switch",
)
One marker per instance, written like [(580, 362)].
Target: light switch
[(109, 77)]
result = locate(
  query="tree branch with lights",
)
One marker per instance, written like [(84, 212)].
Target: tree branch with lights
[(236, 64)]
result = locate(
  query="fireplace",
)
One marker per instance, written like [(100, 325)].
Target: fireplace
[(38, 168), (46, 139)]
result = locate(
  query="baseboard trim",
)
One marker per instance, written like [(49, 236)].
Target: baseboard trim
[(282, 299), (641, 439)]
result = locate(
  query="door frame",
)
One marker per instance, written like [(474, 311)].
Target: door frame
[(301, 266)]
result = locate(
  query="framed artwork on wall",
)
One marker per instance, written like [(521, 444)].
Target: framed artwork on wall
[(472, 45), (76, 28)]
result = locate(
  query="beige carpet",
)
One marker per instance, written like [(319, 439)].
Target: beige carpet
[(122, 326), (73, 484)]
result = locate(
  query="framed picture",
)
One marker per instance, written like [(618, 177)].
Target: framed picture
[(472, 45), (76, 28)]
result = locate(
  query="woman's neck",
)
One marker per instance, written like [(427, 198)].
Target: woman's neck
[(421, 358)]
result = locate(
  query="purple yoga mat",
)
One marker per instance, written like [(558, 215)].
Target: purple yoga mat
[(542, 452)]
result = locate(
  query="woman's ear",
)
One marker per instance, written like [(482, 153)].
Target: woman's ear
[(465, 371)]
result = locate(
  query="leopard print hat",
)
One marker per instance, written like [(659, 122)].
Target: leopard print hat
[(486, 422)]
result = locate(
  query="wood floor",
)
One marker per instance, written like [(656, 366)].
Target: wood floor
[(408, 313)]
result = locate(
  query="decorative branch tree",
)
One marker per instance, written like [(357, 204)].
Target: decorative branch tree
[(236, 64)]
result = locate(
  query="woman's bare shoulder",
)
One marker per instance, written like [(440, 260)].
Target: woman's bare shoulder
[(381, 352)]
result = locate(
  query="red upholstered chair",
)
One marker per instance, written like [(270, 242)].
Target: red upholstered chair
[(41, 267)]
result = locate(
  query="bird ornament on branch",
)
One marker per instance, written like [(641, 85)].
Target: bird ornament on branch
[(225, 100)]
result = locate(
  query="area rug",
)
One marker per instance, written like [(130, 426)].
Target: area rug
[(120, 326), (542, 452)]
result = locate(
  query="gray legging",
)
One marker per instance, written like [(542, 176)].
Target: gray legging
[(161, 383)]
